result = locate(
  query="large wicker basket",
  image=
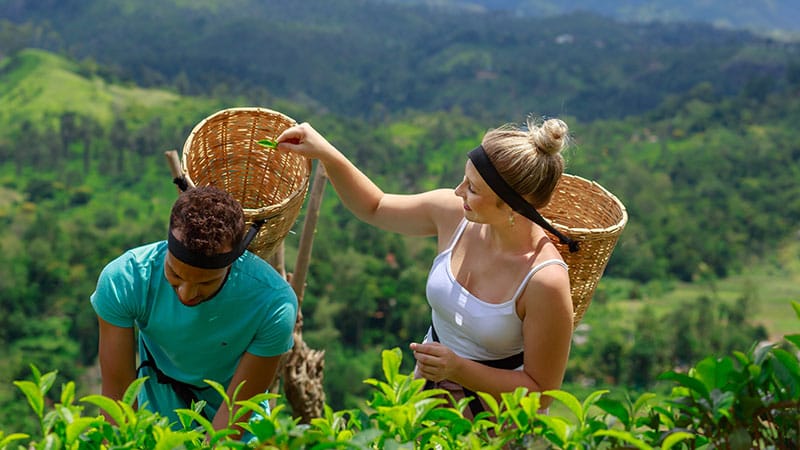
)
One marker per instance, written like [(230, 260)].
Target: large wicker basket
[(223, 151), (589, 214)]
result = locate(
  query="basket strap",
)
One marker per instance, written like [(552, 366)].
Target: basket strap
[(181, 182), (503, 190), (185, 391)]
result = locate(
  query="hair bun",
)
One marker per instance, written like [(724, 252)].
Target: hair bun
[(550, 137)]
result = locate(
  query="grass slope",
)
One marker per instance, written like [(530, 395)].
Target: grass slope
[(39, 87), (772, 283)]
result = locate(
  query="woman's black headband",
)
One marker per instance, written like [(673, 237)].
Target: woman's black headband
[(506, 193), (217, 261)]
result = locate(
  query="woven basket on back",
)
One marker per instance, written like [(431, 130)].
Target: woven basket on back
[(223, 151), (589, 214)]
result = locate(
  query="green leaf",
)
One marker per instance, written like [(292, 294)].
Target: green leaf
[(221, 391), (129, 415), (247, 406), (531, 403), (77, 427), (591, 399), (267, 143), (569, 400), (171, 439), (624, 436), (391, 363), (642, 401), (68, 393), (714, 373), (555, 429), (197, 417), (794, 339), (132, 392), (616, 409), (34, 395), (788, 360), (46, 381), (686, 381), (263, 429), (110, 407), (7, 440), (675, 438), (762, 353), (796, 307)]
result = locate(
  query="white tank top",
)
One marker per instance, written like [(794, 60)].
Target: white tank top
[(469, 326)]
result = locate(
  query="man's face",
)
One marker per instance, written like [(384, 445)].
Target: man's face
[(193, 285)]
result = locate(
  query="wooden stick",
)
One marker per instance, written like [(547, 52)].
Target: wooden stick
[(175, 167), (307, 236)]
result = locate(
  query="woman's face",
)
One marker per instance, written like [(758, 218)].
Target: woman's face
[(481, 204)]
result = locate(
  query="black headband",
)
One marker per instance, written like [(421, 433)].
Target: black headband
[(506, 193), (217, 261)]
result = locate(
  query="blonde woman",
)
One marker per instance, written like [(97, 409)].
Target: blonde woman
[(499, 290)]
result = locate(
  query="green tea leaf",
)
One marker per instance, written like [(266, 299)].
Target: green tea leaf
[(34, 396), (68, 393), (108, 405), (5, 441), (77, 427), (675, 438), (615, 408), (267, 143), (568, 400), (624, 436)]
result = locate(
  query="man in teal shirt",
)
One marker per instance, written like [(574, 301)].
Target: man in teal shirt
[(204, 308)]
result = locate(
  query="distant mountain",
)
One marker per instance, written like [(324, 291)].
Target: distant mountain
[(371, 59), (758, 15)]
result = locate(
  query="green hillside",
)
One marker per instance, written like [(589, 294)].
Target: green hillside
[(38, 87)]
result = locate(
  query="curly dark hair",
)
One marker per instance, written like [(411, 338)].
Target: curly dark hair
[(209, 220)]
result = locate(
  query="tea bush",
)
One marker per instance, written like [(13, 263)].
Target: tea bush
[(745, 400)]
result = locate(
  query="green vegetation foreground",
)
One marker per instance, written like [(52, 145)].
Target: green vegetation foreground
[(743, 400)]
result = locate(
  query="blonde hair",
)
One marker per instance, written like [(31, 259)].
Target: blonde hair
[(530, 161)]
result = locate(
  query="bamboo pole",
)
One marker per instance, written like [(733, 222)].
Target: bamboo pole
[(302, 368), (309, 229)]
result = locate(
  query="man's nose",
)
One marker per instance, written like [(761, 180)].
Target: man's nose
[(187, 291)]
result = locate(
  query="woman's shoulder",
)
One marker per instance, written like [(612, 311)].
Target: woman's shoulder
[(550, 281), (447, 214)]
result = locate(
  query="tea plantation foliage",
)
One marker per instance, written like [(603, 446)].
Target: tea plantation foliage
[(739, 401)]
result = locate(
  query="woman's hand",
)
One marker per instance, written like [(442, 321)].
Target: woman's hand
[(306, 141), (435, 362)]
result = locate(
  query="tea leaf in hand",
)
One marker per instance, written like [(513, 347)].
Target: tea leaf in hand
[(267, 143)]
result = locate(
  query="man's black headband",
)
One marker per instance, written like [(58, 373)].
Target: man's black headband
[(217, 261), (506, 193)]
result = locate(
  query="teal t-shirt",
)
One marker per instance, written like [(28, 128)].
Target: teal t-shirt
[(254, 312)]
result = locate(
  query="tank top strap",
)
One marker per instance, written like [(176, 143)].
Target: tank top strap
[(533, 271), (456, 236)]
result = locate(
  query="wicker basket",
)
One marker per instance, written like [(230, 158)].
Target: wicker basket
[(223, 151), (589, 214)]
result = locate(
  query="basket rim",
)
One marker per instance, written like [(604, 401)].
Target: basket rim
[(583, 232), (251, 213), (237, 109)]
